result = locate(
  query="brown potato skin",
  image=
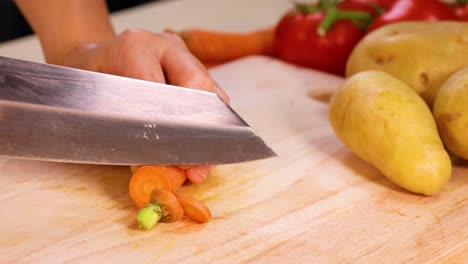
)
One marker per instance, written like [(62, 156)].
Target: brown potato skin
[(384, 122), (421, 54)]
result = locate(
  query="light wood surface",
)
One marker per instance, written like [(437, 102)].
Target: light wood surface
[(315, 203)]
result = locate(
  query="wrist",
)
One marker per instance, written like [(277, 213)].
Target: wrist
[(81, 40), (80, 56)]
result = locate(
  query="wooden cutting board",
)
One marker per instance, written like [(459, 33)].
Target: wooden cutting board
[(316, 203)]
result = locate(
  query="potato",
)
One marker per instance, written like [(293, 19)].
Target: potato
[(386, 123), (451, 113), (421, 54)]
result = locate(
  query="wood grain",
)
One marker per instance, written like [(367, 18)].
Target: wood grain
[(316, 203)]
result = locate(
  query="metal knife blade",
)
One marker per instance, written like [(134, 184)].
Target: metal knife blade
[(62, 114)]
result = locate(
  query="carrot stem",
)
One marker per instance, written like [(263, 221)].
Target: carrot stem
[(149, 216)]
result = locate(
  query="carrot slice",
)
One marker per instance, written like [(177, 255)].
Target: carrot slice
[(194, 209), (163, 207), (145, 180), (176, 176), (171, 208)]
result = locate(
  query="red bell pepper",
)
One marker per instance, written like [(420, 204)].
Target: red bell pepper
[(375, 7), (414, 10), (320, 36), (460, 8)]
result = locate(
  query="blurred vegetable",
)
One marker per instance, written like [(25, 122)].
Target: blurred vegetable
[(215, 47), (460, 8), (369, 6), (383, 4), (414, 10), (320, 36), (386, 4)]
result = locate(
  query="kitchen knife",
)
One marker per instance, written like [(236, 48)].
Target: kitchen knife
[(63, 114)]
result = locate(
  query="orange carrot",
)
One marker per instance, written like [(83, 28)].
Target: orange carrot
[(152, 189), (163, 207), (177, 177), (147, 178), (171, 207), (194, 209), (215, 47), (210, 65)]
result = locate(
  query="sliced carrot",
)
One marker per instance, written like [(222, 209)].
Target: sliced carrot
[(171, 207), (177, 177), (194, 209), (145, 180), (214, 47)]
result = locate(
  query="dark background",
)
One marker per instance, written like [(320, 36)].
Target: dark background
[(13, 24)]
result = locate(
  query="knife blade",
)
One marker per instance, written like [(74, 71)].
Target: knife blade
[(62, 114)]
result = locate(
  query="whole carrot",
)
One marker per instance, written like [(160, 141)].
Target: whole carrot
[(215, 47)]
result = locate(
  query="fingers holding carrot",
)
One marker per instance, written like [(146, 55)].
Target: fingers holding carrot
[(197, 174), (145, 180), (153, 190)]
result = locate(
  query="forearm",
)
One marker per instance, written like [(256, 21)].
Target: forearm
[(64, 25)]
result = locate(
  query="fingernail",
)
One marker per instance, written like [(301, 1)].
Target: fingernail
[(202, 171)]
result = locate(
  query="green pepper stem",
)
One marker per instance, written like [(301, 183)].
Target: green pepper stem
[(149, 216), (324, 4), (359, 18), (461, 2), (309, 8), (378, 9), (332, 14), (305, 8)]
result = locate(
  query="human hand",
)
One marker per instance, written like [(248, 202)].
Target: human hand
[(140, 54)]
